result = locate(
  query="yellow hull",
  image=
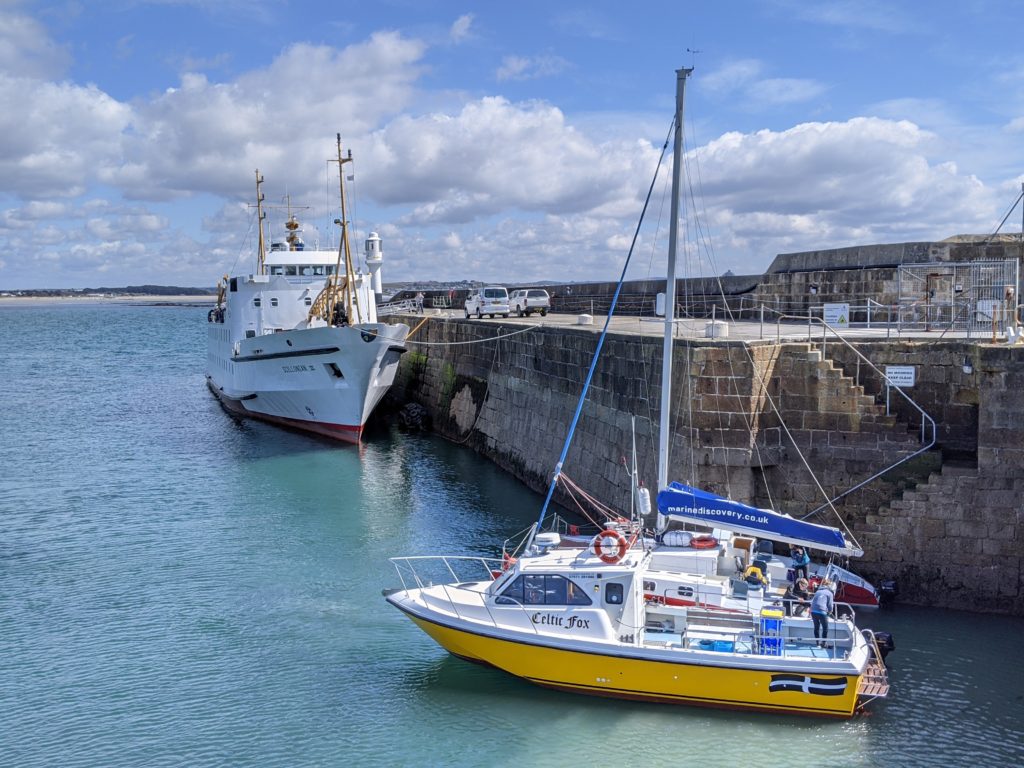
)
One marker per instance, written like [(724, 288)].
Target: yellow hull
[(649, 680)]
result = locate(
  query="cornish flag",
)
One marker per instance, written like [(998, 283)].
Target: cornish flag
[(822, 686)]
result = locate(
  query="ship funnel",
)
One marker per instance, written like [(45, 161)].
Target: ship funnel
[(374, 258)]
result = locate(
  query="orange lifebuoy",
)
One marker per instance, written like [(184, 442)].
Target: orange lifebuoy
[(618, 541), (703, 542)]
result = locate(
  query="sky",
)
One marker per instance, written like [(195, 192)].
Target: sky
[(501, 142)]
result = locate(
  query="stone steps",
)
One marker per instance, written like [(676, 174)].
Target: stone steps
[(872, 417)]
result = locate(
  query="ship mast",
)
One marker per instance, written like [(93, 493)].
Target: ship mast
[(260, 216), (349, 296), (664, 426)]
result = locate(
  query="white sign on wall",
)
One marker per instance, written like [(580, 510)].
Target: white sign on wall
[(900, 375), (837, 315)]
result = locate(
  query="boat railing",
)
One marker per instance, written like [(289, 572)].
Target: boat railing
[(408, 574), (705, 623)]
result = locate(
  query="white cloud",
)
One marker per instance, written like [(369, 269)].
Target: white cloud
[(26, 49), (732, 75), (460, 28), (785, 90), (863, 14), (56, 136), (207, 136), (459, 168), (530, 68), (745, 78), (816, 185)]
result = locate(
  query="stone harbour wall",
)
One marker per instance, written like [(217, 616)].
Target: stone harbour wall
[(748, 420)]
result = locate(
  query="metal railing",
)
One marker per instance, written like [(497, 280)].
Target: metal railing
[(926, 420), (750, 632), (404, 307), (406, 567)]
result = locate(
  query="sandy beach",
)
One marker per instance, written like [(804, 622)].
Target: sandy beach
[(35, 301)]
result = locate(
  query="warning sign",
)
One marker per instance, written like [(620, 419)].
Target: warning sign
[(837, 315), (902, 376)]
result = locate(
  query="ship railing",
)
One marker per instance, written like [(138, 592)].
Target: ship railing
[(462, 570)]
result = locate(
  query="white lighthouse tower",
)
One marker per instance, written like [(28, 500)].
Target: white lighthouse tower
[(374, 258)]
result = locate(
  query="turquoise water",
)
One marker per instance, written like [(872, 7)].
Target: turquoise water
[(180, 588)]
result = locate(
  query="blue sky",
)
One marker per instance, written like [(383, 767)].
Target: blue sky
[(496, 141)]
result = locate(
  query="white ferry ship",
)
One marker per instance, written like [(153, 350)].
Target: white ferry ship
[(298, 342)]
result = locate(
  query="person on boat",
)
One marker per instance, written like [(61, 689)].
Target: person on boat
[(340, 317), (755, 577), (795, 599), (419, 303), (821, 606), (800, 563)]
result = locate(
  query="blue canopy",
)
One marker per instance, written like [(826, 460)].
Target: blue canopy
[(684, 503)]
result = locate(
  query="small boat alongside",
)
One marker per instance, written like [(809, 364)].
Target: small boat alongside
[(298, 342), (656, 613)]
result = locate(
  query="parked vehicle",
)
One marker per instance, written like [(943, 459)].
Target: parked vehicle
[(527, 301), (490, 301)]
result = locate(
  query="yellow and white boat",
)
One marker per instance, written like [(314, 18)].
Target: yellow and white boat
[(662, 618), (564, 617)]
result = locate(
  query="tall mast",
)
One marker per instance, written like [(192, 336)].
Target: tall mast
[(260, 215), (343, 247), (670, 284)]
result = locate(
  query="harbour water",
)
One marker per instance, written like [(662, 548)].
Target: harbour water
[(180, 588)]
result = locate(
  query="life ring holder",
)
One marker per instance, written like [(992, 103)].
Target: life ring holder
[(618, 543), (703, 542)]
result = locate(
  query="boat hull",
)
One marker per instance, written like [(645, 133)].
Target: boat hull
[(623, 673), (322, 380)]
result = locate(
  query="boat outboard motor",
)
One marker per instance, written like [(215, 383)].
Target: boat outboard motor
[(886, 643), (888, 591)]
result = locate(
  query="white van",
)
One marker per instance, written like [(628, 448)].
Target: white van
[(491, 301), (529, 300)]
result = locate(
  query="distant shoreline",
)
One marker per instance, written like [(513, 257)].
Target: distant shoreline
[(34, 301)]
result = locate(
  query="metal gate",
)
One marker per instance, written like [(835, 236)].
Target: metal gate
[(967, 296)]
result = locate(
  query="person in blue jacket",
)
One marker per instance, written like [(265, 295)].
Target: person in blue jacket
[(800, 563), (821, 606)]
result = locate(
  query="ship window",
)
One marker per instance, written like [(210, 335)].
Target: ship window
[(234, 284), (330, 269), (291, 270), (250, 334), (613, 594), (277, 269), (537, 589), (273, 301), (306, 270), (318, 270), (309, 301), (256, 302)]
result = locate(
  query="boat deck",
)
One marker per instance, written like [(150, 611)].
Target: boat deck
[(724, 642)]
